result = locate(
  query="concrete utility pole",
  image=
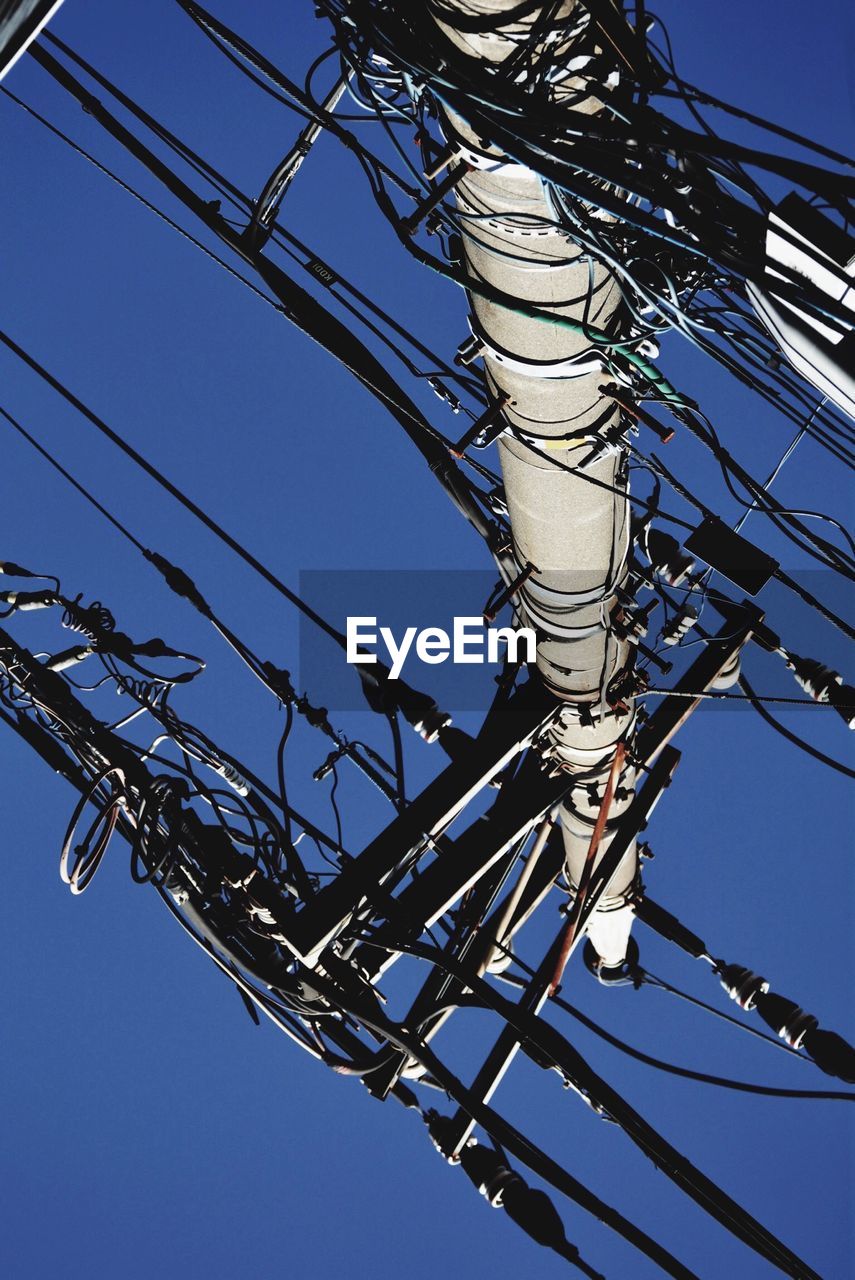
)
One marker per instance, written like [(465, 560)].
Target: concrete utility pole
[(575, 533)]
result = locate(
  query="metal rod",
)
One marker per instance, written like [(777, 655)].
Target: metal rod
[(543, 833)]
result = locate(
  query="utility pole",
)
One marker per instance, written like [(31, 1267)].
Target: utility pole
[(563, 458)]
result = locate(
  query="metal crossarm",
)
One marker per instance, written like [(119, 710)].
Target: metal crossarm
[(538, 991), (425, 818)]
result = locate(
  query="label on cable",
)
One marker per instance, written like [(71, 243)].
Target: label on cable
[(322, 272)]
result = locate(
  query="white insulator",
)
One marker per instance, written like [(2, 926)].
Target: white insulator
[(609, 932), (729, 675)]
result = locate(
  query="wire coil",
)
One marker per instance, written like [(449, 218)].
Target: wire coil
[(88, 854)]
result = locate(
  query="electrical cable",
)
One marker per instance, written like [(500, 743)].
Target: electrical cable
[(180, 495), (147, 204), (778, 574), (686, 1073), (810, 750), (549, 1042), (298, 306), (651, 980)]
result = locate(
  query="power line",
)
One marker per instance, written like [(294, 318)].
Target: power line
[(178, 494), (807, 747), (687, 1073)]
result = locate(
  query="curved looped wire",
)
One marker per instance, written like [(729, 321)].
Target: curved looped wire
[(88, 854), (93, 621), (162, 804)]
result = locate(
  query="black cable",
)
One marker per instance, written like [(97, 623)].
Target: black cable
[(812, 751), (282, 237), (298, 306), (832, 557), (335, 807), (758, 706), (548, 1042), (464, 96), (780, 575), (374, 1020), (289, 94), (718, 104), (244, 203), (388, 209), (22, 431), (398, 753), (280, 768), (147, 204), (651, 980), (493, 101), (179, 495), (723, 695), (686, 1073), (601, 484), (245, 654)]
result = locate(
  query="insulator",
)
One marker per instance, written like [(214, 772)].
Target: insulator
[(15, 570), (497, 503), (455, 742), (784, 1017), (729, 674), (411, 224), (742, 985), (812, 676), (824, 685), (420, 710), (434, 222), (667, 557), (831, 1053), (27, 600), (679, 625), (485, 429), (608, 441), (800, 1030), (485, 1168), (69, 657), (236, 780), (534, 1212), (503, 595), (634, 624), (263, 914), (842, 698), (618, 975), (440, 389), (501, 958)]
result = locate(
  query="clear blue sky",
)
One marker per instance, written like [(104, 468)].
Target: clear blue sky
[(149, 1129)]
